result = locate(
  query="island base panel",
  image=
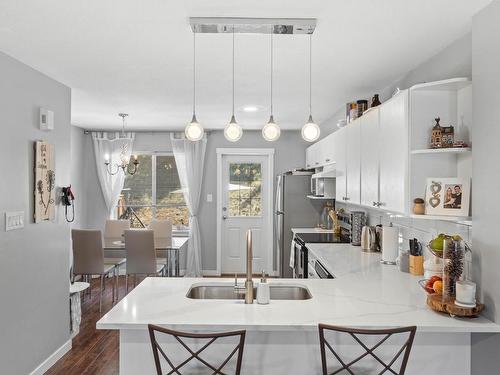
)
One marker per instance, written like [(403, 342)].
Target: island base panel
[(297, 352)]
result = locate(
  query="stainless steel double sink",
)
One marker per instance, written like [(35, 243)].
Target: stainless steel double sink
[(226, 291)]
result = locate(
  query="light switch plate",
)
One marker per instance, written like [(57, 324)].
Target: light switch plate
[(209, 198), (14, 220)]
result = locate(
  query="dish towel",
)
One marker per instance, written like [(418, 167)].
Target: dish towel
[(292, 254)]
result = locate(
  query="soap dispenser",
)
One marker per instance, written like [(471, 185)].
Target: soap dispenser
[(263, 292)]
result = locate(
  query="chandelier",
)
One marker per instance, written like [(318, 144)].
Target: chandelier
[(124, 164)]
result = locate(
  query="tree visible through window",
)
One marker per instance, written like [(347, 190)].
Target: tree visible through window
[(154, 192)]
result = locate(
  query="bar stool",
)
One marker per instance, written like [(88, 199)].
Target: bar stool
[(204, 340), (407, 333)]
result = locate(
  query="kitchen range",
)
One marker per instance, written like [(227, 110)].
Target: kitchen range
[(306, 265)]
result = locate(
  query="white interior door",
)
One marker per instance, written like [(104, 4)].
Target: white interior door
[(245, 204)]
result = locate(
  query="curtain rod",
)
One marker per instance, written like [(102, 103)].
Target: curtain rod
[(86, 131)]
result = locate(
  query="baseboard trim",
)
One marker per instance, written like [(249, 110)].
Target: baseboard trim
[(52, 359)]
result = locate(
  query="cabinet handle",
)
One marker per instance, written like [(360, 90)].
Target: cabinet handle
[(379, 204), (375, 204), (327, 160), (347, 198), (317, 163)]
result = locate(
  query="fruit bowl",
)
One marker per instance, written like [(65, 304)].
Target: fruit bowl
[(427, 285), (435, 252), (422, 283)]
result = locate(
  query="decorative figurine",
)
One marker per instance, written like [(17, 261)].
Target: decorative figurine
[(442, 136), (436, 134)]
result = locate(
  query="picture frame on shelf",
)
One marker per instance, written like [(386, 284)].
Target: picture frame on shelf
[(447, 196)]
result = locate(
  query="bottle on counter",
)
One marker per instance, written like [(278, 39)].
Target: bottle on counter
[(263, 291), (326, 221)]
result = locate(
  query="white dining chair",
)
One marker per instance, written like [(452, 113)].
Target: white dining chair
[(141, 255), (162, 230), (113, 231), (88, 259)]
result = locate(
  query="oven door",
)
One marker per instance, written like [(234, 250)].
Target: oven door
[(300, 269), (321, 271)]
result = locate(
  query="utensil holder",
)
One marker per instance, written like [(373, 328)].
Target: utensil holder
[(416, 265)]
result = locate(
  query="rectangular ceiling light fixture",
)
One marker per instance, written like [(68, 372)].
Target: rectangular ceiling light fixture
[(253, 25)]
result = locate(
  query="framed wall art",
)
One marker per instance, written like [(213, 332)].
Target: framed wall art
[(45, 178), (448, 196)]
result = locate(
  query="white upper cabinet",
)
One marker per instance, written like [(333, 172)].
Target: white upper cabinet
[(321, 153), (370, 149), (339, 145), (353, 162), (393, 153)]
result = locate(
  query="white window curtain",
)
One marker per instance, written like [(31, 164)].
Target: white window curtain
[(190, 158), (114, 147)]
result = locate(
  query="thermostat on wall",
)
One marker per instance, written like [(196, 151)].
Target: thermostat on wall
[(46, 119)]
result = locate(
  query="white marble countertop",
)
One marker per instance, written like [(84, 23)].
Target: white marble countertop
[(365, 294)]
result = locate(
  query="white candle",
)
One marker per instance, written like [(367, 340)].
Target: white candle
[(466, 292)]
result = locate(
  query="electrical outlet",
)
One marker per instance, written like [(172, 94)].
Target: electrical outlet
[(14, 220), (209, 198)]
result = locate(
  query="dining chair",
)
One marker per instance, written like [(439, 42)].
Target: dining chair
[(88, 259), (113, 231), (202, 342), (403, 340), (162, 232), (141, 255)]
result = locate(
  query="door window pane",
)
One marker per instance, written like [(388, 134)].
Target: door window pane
[(245, 195)]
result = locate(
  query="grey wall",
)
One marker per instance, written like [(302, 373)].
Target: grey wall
[(34, 261), (78, 171), (289, 153), (486, 132), (453, 61)]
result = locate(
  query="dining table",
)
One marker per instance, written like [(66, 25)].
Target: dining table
[(169, 251)]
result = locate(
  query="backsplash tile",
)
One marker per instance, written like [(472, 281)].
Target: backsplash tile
[(423, 230)]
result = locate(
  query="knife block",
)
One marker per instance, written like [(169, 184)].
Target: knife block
[(417, 265)]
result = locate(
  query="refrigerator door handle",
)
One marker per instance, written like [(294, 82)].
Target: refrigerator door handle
[(277, 221)]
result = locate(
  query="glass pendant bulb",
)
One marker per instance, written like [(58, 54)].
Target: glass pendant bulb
[(233, 131), (271, 131), (310, 130), (194, 131)]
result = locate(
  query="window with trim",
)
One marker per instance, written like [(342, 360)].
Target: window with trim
[(154, 191)]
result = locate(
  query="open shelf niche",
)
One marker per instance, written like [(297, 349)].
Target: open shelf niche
[(451, 100)]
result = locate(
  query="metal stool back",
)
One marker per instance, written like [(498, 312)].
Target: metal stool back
[(385, 334), (195, 354)]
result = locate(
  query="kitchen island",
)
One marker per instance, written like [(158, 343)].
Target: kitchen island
[(282, 337)]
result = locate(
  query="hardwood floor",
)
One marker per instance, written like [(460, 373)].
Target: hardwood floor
[(94, 351)]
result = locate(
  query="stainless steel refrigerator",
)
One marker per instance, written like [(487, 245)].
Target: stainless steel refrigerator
[(292, 210)]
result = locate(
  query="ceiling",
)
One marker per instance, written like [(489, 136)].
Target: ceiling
[(136, 56)]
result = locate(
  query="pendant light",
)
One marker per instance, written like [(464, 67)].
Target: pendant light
[(194, 131), (310, 130), (271, 131), (233, 131)]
